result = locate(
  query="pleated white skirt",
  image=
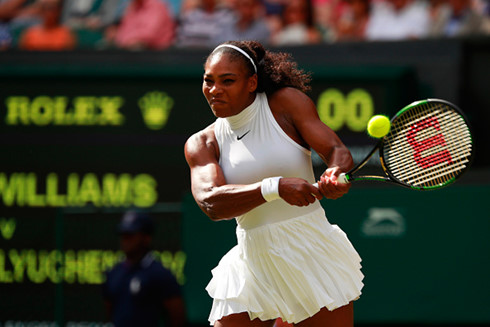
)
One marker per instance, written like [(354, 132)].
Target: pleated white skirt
[(290, 269)]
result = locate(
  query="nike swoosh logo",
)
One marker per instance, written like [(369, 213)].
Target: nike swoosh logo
[(238, 137)]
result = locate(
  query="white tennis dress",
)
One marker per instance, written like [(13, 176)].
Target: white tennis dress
[(289, 261)]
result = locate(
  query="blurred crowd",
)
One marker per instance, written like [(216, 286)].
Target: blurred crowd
[(159, 24)]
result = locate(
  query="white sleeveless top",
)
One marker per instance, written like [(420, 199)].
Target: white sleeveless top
[(252, 147)]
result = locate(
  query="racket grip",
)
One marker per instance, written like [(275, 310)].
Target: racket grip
[(341, 180)]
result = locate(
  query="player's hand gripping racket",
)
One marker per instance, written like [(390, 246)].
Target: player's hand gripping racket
[(428, 147)]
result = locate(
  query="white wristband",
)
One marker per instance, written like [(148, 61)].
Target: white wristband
[(270, 188)]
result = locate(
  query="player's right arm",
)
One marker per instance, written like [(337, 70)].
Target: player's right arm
[(214, 196)]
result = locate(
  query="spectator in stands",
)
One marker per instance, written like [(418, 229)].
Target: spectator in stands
[(139, 291), (202, 26), (75, 12), (50, 35), (92, 14), (352, 24), (273, 13), (250, 23), (298, 27), (486, 18), (398, 20), (326, 16), (189, 5), (5, 37), (15, 16), (457, 18), (145, 25), (8, 10), (89, 18)]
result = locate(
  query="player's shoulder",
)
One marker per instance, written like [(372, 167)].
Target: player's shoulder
[(286, 93), (200, 143), (204, 134), (201, 138), (289, 99)]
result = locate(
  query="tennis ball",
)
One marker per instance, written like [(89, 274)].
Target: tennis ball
[(378, 126)]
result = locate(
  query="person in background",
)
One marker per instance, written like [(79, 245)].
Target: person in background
[(273, 13), (456, 18), (326, 16), (8, 10), (393, 20), (92, 14), (145, 25), (485, 10), (50, 35), (140, 291), (351, 26), (28, 14), (250, 22), (202, 24), (298, 27), (75, 12)]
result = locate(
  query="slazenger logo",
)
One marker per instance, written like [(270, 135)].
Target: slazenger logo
[(383, 222), (155, 107)]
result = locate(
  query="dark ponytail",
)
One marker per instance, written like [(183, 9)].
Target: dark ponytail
[(275, 70)]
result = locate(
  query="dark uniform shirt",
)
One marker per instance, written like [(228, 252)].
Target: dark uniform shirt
[(137, 292)]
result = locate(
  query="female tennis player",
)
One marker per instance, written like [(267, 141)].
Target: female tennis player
[(254, 164)]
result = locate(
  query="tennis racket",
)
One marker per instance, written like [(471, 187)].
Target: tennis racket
[(428, 147)]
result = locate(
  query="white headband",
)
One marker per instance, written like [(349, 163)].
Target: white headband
[(239, 50)]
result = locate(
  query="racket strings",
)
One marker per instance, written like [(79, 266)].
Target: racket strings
[(429, 145), (437, 164), (460, 156), (456, 148), (446, 119), (432, 173)]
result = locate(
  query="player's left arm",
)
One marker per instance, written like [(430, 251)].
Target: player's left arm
[(300, 110)]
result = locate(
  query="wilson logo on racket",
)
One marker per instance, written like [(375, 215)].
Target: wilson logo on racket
[(428, 145)]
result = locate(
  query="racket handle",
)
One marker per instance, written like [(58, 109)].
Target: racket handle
[(341, 180)]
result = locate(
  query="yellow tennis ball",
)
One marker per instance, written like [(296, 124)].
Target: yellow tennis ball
[(378, 126)]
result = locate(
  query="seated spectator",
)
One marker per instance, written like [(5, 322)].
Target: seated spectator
[(92, 14), (398, 20), (202, 26), (351, 25), (250, 23), (188, 5), (75, 12), (486, 19), (457, 18), (50, 35), (8, 10), (146, 24), (5, 37), (273, 13), (297, 25), (326, 16), (16, 15), (27, 15)]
